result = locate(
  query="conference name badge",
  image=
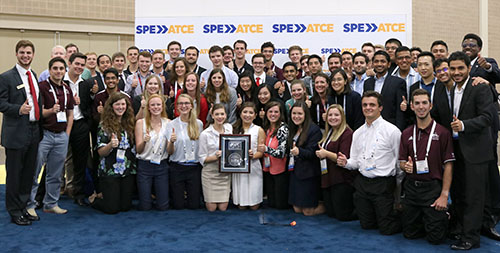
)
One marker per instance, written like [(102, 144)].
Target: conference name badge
[(20, 86)]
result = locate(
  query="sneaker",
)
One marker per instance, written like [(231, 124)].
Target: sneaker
[(32, 212), (56, 210)]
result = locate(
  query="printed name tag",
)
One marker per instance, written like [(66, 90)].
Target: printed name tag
[(20, 86)]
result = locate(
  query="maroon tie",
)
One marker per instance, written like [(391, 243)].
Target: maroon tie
[(257, 81), (33, 95)]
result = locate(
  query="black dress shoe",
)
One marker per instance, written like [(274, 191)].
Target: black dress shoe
[(20, 220), (31, 217), (454, 236), (81, 202), (491, 233), (463, 246)]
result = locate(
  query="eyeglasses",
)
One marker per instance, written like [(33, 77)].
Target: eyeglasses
[(469, 45), (444, 70)]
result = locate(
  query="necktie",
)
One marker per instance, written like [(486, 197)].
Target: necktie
[(258, 81), (33, 95)]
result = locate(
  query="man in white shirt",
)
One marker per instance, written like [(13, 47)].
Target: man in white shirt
[(79, 138), (374, 152), (215, 53)]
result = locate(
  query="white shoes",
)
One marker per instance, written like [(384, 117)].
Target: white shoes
[(55, 209)]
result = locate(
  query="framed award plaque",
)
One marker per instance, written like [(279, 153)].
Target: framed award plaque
[(234, 158)]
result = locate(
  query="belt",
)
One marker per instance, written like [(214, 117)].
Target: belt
[(418, 183)]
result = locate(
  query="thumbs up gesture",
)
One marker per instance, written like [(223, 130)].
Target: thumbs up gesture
[(25, 108), (100, 108), (239, 101), (294, 151), (408, 167), (321, 152), (308, 102), (202, 83), (56, 108), (404, 104), (95, 88), (262, 113), (77, 99), (482, 62), (147, 137), (173, 136), (114, 141), (135, 81), (341, 159), (456, 124)]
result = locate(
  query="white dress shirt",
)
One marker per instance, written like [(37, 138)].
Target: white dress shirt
[(229, 74), (77, 113), (209, 141), (379, 83), (24, 77), (375, 149)]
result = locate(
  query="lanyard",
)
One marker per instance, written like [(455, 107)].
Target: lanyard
[(429, 141), (140, 80), (55, 96), (318, 113), (327, 141), (183, 132), (343, 103)]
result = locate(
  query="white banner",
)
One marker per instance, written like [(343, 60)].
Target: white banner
[(320, 35)]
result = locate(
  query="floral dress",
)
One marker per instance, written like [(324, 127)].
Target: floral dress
[(110, 166)]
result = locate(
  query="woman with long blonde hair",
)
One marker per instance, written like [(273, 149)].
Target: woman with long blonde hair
[(152, 164), (117, 166), (336, 182), (183, 142)]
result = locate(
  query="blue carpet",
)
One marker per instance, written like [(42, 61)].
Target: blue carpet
[(85, 229)]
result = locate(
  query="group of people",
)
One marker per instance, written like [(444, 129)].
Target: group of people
[(403, 140)]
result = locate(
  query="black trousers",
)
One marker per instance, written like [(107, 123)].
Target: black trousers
[(277, 189), (374, 201), (20, 166), (339, 201), (185, 179), (116, 194), (419, 219), (468, 196), (80, 145)]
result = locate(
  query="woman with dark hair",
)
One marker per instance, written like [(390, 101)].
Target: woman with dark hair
[(336, 182), (275, 149), (248, 187), (319, 100), (264, 95), (139, 103), (216, 185), (192, 88), (175, 83), (152, 166), (183, 135), (117, 166), (341, 93), (246, 89), (218, 92), (303, 165), (299, 93)]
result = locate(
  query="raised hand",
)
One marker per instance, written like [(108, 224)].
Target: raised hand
[(95, 87), (239, 101), (321, 152), (135, 81), (456, 124), (408, 168), (100, 108), (341, 159), (294, 151), (114, 141), (173, 136), (404, 104), (202, 83), (77, 99), (482, 62), (262, 113), (25, 108), (56, 108)]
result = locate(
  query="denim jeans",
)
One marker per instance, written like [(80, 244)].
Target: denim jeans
[(149, 175), (52, 152)]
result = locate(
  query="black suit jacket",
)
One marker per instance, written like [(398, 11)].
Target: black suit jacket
[(287, 94), (441, 111), (353, 111), (12, 97), (493, 77), (307, 163), (198, 70), (475, 141), (392, 95)]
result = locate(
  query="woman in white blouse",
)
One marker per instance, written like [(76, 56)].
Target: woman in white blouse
[(216, 185)]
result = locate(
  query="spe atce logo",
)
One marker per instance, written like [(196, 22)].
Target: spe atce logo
[(164, 29), (302, 28), (231, 28), (372, 27)]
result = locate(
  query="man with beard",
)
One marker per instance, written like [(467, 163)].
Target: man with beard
[(360, 62), (191, 54), (267, 49), (404, 69)]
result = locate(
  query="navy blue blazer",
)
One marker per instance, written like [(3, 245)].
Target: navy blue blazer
[(353, 111), (307, 163)]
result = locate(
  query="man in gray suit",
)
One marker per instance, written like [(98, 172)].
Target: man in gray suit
[(21, 107)]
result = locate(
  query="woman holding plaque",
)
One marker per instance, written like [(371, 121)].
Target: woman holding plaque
[(183, 141), (247, 187), (336, 182), (304, 165), (216, 185), (275, 149), (218, 92), (152, 166), (117, 166)]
